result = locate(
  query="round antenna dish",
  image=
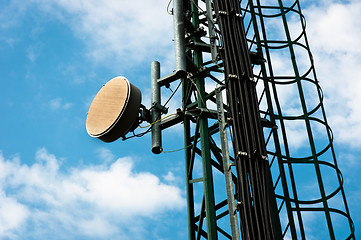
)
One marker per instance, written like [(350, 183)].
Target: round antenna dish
[(114, 110)]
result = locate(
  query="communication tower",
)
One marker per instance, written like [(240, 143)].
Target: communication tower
[(282, 168)]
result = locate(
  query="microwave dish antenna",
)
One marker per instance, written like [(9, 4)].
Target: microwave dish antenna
[(114, 110)]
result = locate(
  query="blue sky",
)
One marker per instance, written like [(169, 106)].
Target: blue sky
[(58, 183)]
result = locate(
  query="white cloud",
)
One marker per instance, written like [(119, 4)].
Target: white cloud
[(99, 201), (34, 51), (12, 215), (31, 54), (127, 30), (334, 31), (170, 178), (106, 155), (58, 103), (10, 12)]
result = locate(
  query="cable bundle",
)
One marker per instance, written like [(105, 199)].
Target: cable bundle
[(254, 181)]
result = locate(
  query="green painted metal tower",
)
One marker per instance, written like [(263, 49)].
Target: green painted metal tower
[(282, 169)]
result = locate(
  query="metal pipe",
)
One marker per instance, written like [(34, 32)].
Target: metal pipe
[(211, 32), (155, 111), (179, 38), (227, 167)]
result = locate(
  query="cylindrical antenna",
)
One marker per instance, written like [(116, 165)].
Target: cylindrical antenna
[(155, 111), (179, 40)]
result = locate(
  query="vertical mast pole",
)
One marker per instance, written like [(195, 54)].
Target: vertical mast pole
[(181, 67), (204, 137), (155, 112)]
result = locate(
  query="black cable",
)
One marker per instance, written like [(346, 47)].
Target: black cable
[(248, 140)]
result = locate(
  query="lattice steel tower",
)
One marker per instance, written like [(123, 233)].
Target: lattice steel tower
[(283, 170), (281, 180)]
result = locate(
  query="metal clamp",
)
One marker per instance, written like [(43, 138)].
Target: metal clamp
[(159, 107)]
